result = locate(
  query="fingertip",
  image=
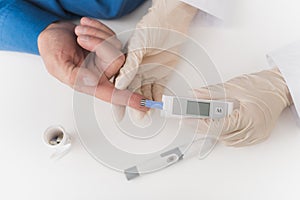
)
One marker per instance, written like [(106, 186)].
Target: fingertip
[(79, 30), (85, 20), (82, 41), (135, 102), (96, 24)]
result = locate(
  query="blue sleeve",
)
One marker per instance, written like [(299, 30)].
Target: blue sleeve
[(21, 21), (20, 25), (102, 9)]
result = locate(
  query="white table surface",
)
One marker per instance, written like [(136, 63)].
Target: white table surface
[(31, 100)]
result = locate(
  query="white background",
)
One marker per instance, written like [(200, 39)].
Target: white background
[(31, 100)]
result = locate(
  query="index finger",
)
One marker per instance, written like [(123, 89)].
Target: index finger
[(107, 92)]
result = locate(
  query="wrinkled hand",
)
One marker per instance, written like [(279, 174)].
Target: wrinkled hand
[(153, 50), (262, 97), (86, 72)]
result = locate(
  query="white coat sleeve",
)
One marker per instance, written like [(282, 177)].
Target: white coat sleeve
[(287, 59), (214, 8)]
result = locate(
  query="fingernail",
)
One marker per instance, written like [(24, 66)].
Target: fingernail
[(85, 20), (79, 30), (89, 82)]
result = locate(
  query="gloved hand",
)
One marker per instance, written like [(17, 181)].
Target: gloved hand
[(152, 49), (262, 97)]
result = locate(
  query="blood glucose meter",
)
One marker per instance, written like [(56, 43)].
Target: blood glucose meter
[(182, 107)]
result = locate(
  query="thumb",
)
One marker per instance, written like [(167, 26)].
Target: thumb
[(119, 112), (225, 128), (81, 76), (129, 70)]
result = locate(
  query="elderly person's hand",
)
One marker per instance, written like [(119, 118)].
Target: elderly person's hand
[(262, 97), (84, 70)]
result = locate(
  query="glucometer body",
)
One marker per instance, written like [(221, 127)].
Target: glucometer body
[(195, 108), (181, 107)]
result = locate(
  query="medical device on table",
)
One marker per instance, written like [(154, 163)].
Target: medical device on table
[(181, 107), (170, 157)]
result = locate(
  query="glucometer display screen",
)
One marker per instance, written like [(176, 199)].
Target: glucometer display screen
[(198, 108)]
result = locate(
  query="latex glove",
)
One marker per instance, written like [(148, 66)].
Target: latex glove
[(262, 97), (151, 50)]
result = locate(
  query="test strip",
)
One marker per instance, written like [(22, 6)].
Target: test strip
[(152, 104)]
